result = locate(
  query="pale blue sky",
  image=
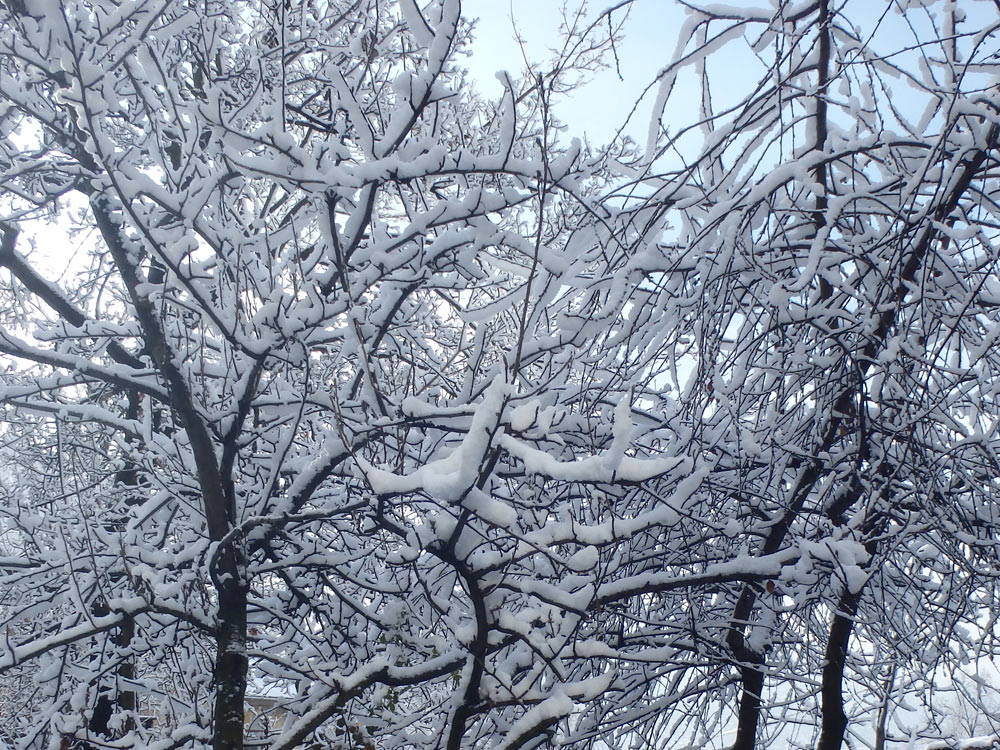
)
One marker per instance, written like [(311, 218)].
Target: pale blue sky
[(602, 106), (650, 41)]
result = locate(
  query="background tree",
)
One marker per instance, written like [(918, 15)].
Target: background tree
[(827, 280)]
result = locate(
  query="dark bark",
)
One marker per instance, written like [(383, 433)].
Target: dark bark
[(750, 703), (833, 720), (230, 669), (751, 675)]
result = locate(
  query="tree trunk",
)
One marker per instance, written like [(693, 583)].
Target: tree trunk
[(833, 719), (749, 716), (230, 668)]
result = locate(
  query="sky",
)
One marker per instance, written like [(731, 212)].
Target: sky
[(604, 103), (608, 102), (651, 34)]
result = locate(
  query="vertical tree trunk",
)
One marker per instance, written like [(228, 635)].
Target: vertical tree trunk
[(749, 715), (229, 574), (751, 675), (230, 668), (833, 719)]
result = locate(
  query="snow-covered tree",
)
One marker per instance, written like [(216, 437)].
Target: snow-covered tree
[(326, 378), (830, 280)]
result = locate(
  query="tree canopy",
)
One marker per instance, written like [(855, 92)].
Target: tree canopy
[(346, 407)]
